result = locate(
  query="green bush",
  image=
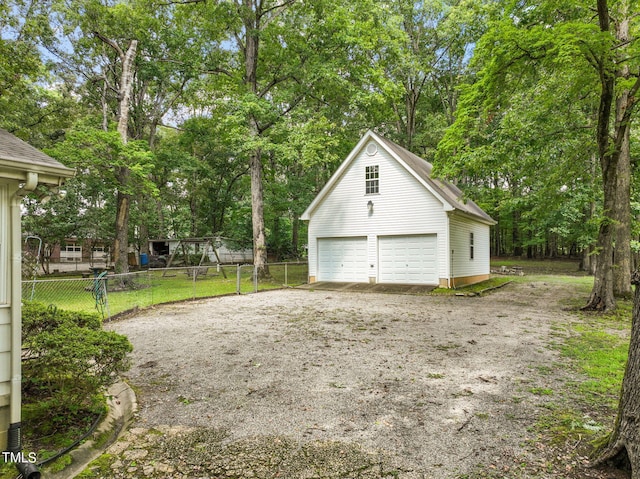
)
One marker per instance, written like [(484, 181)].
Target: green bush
[(68, 362), (37, 317)]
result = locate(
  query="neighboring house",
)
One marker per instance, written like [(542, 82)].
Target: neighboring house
[(22, 169), (227, 253), (78, 250), (382, 218)]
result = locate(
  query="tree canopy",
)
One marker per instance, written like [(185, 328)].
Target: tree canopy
[(238, 111)]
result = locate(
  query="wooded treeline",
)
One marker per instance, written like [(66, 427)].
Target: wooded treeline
[(190, 118)]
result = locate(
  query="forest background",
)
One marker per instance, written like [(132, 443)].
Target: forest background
[(193, 118)]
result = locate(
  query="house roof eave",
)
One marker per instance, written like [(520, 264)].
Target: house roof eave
[(487, 221), (19, 161), (47, 174), (306, 216)]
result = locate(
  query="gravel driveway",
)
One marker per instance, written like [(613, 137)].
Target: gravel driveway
[(317, 384)]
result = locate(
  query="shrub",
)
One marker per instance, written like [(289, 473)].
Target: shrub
[(68, 362), (37, 317)]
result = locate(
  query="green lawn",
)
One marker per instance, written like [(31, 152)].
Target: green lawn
[(153, 287), (148, 288)]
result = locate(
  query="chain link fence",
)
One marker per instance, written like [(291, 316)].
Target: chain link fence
[(112, 294)]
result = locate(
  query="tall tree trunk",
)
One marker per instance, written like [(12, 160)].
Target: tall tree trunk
[(622, 225), (623, 447), (602, 297), (252, 42), (622, 213), (121, 261), (121, 241), (126, 84), (257, 215)]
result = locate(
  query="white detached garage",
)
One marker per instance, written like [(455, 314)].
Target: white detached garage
[(382, 218)]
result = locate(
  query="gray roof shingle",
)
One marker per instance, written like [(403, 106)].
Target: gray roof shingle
[(13, 149), (451, 193)]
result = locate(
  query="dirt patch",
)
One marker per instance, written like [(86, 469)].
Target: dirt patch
[(317, 384)]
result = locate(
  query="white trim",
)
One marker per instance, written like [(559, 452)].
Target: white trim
[(447, 206), (368, 136), (4, 245), (334, 178)]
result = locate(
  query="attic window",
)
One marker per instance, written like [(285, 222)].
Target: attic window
[(372, 180), (372, 149)]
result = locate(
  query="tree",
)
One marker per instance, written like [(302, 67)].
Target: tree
[(278, 54), (30, 108), (618, 90), (123, 171), (134, 59), (520, 146), (623, 446), (99, 158), (597, 62), (424, 57)]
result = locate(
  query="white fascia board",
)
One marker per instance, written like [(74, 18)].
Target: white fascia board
[(445, 204), (337, 175), (471, 217), (50, 175)]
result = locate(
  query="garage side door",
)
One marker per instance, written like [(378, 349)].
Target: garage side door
[(342, 259), (408, 259)]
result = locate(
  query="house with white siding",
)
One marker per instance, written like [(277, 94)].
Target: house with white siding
[(22, 170), (382, 218)]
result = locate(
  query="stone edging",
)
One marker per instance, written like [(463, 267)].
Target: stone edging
[(121, 404)]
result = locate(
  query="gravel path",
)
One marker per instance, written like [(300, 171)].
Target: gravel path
[(315, 384)]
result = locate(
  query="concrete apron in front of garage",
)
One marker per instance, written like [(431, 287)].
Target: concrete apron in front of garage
[(371, 287)]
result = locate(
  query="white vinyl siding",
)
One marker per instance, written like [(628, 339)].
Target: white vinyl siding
[(462, 230), (342, 259), (408, 259), (402, 207)]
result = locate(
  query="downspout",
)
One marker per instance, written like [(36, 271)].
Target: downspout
[(14, 440), (451, 284), (452, 280)]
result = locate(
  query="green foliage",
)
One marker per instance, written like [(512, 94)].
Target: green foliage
[(501, 96), (69, 362), (38, 318), (523, 141)]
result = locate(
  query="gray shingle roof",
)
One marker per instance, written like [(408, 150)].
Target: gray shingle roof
[(13, 149), (449, 192)]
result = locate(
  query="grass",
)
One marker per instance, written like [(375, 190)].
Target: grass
[(597, 350), (149, 288), (491, 283), (564, 267)]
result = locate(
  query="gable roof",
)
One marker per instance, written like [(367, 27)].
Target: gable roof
[(17, 158), (450, 195)]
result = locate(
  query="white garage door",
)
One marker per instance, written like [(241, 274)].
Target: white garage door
[(408, 259), (342, 259)]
